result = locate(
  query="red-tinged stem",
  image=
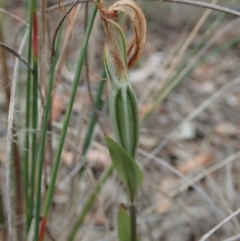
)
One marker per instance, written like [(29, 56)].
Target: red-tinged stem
[(35, 36), (42, 229)]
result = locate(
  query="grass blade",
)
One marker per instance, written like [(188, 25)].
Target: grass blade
[(65, 124), (9, 145), (34, 105), (44, 134)]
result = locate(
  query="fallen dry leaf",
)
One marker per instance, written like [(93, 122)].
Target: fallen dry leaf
[(67, 158), (143, 109), (194, 163), (164, 204), (148, 141), (167, 184), (98, 158), (57, 106), (60, 196), (226, 129), (100, 218)]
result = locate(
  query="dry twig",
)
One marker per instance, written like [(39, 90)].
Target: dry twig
[(213, 230), (188, 2), (16, 54), (206, 5)]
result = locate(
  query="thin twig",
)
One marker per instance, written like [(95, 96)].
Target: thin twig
[(233, 238), (43, 54), (176, 60), (16, 54), (206, 5), (233, 84), (188, 2), (65, 43), (95, 112), (13, 16), (5, 73), (10, 140), (213, 230), (65, 4), (58, 27), (185, 178), (204, 173)]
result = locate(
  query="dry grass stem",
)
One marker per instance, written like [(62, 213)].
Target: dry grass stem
[(188, 2), (213, 230), (205, 173), (16, 54), (206, 5), (10, 140), (13, 16), (225, 89), (172, 169), (176, 60)]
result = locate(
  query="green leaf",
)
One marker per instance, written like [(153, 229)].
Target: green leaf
[(125, 166), (124, 225), (125, 119), (122, 103)]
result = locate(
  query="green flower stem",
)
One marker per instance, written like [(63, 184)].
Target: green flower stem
[(87, 207), (66, 122), (85, 148), (133, 218), (44, 135)]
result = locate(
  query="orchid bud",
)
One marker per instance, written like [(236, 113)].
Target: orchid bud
[(117, 60)]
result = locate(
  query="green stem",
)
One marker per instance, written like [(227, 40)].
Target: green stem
[(44, 134), (66, 122), (28, 203), (133, 217), (34, 134)]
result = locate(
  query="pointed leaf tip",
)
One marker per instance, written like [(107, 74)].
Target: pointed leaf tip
[(126, 167), (124, 224)]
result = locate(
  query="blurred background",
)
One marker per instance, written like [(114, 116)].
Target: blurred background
[(188, 87)]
